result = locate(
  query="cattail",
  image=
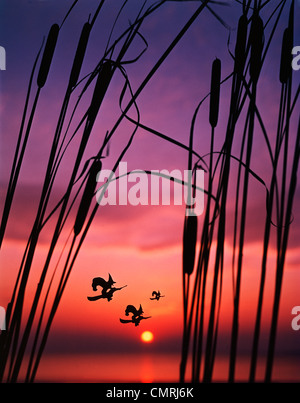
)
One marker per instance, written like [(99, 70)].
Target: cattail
[(47, 55), (240, 47), (103, 80), (87, 196), (189, 243), (215, 92), (79, 56), (256, 38), (286, 56)]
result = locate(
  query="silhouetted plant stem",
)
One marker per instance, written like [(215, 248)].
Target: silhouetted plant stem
[(240, 57), (43, 73), (256, 40), (188, 258), (195, 280), (241, 245), (284, 76), (173, 44), (16, 162), (285, 213), (202, 274), (39, 325), (267, 233), (213, 119), (20, 296), (67, 270), (153, 71), (281, 258), (49, 178), (41, 80), (95, 105), (222, 194)]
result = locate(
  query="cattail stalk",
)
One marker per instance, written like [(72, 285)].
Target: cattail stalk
[(16, 166), (48, 181), (97, 98), (90, 121), (284, 75), (222, 194), (213, 120), (256, 41), (285, 212), (41, 79), (188, 261)]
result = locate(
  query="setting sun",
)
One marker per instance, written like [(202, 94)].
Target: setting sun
[(147, 336)]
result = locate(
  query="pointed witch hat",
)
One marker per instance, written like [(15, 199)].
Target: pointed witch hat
[(110, 280)]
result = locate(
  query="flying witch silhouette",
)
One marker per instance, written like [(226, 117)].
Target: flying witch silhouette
[(137, 315), (156, 295), (107, 288)]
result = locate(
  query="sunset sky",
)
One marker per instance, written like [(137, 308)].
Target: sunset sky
[(140, 246)]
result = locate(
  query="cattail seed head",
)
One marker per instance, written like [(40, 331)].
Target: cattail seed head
[(189, 243), (47, 55), (286, 56), (103, 80), (240, 47), (79, 56), (215, 92), (87, 196), (257, 39)]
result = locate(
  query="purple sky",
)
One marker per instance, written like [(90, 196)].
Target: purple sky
[(167, 104)]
